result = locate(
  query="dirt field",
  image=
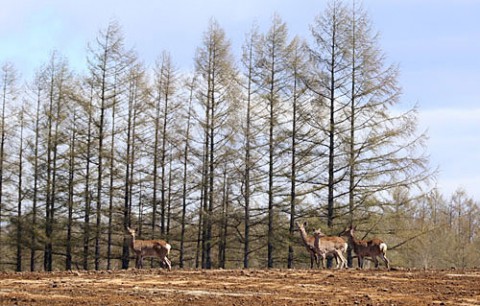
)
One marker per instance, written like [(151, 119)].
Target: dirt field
[(242, 287)]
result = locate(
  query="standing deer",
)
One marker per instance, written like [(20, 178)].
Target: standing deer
[(373, 248), (325, 245), (308, 242), (150, 248)]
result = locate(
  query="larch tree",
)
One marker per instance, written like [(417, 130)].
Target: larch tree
[(20, 187), (37, 89), (107, 58), (372, 148), (327, 79), (9, 94), (87, 148), (57, 78), (71, 189), (190, 85), (272, 70), (137, 98), (164, 90), (112, 167), (299, 151), (217, 80), (250, 130), (383, 147)]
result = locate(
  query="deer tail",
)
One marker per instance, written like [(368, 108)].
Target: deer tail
[(383, 247)]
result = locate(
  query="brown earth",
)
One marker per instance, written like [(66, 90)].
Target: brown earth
[(242, 287)]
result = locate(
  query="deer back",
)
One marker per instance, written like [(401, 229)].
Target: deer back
[(339, 242), (367, 247), (152, 247), (327, 244)]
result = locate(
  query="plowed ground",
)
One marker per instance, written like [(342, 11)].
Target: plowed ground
[(242, 287)]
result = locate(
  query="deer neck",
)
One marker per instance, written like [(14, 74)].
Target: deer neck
[(316, 242), (353, 241), (132, 243), (304, 235)]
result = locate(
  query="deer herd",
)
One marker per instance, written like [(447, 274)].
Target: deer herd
[(319, 246)]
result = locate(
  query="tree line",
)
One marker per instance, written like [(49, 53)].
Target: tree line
[(220, 161)]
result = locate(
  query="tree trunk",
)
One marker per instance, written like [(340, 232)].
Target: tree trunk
[(20, 198), (71, 171), (185, 172), (33, 238), (87, 192)]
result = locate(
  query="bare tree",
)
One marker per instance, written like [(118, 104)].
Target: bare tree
[(272, 70), (88, 156), (137, 96), (185, 180), (217, 81), (8, 80), (328, 78), (296, 89), (57, 76), (106, 60), (383, 147), (20, 187), (38, 88), (165, 87), (250, 133), (70, 190)]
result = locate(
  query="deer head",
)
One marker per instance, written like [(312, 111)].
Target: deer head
[(318, 233), (348, 231), (131, 231)]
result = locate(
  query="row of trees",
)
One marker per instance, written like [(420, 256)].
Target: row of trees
[(220, 161)]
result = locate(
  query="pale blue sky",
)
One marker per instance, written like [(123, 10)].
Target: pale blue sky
[(435, 42)]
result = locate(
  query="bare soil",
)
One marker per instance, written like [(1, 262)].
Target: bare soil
[(242, 287)]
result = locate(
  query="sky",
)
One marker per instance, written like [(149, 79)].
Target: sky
[(436, 44)]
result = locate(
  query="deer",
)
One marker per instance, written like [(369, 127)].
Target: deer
[(308, 242), (372, 248), (325, 245), (150, 248)]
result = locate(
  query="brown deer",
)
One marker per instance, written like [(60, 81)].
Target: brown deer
[(150, 248), (325, 245), (308, 242), (373, 248)]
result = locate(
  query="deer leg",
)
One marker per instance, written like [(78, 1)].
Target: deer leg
[(323, 256), (339, 255), (360, 261), (168, 263), (312, 258), (385, 260), (342, 259), (375, 260), (335, 255)]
